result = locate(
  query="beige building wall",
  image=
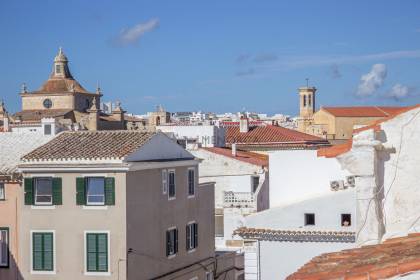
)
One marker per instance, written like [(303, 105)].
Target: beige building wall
[(70, 221), (35, 101), (344, 125), (9, 219), (150, 214)]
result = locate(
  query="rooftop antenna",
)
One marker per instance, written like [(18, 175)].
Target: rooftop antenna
[(307, 82)]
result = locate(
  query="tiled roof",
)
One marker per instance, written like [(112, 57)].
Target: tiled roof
[(272, 135), (32, 115), (90, 145), (295, 235), (248, 157), (368, 111), (14, 146), (233, 123), (335, 150), (392, 258)]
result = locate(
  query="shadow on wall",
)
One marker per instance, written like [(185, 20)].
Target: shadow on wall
[(11, 272)]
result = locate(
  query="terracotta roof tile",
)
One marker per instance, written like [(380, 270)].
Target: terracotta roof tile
[(90, 145), (61, 85), (392, 258), (248, 157), (272, 135), (36, 115), (367, 111)]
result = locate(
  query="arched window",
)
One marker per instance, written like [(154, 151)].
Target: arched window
[(309, 100), (157, 120), (304, 101)]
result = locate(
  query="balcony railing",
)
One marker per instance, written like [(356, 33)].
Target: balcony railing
[(238, 200)]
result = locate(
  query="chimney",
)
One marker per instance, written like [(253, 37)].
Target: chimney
[(234, 149), (243, 124)]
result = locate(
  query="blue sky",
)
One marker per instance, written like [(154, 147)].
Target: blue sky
[(217, 55)]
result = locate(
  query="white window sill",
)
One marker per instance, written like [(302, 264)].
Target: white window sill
[(171, 256), (172, 198), (43, 207), (191, 250), (95, 207), (191, 196), (43, 272), (98, 273)]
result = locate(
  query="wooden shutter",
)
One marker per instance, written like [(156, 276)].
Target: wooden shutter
[(168, 242), (110, 191), (48, 250), (176, 240), (102, 252), (195, 227), (80, 191), (37, 251), (57, 191), (187, 230), (91, 249), (29, 191)]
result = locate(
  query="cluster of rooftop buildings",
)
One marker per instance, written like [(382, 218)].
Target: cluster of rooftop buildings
[(89, 191)]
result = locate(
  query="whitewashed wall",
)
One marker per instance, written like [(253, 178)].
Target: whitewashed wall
[(298, 174), (206, 135)]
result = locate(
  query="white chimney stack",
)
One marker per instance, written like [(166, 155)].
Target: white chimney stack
[(234, 149), (243, 124)]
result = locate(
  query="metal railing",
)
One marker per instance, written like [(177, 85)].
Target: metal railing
[(239, 199)]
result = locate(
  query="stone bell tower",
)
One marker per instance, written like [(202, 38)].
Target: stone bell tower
[(306, 106)]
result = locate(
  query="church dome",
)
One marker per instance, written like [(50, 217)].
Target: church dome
[(60, 57)]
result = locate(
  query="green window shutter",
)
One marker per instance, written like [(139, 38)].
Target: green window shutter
[(48, 251), (195, 227), (102, 252), (80, 191), (37, 251), (97, 252), (29, 191), (187, 230), (168, 242), (91, 252), (57, 191), (176, 241), (110, 191)]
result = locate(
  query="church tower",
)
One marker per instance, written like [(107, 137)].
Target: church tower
[(306, 107), (61, 68)]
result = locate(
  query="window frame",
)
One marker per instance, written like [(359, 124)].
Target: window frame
[(3, 192), (253, 177), (175, 249), (58, 69), (193, 243), (165, 183), (171, 197), (306, 217), (222, 216), (87, 203), (342, 219), (54, 251), (97, 273), (7, 264), (191, 194), (209, 275), (35, 191)]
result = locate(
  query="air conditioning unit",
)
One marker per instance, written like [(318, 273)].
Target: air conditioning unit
[(351, 181), (337, 185)]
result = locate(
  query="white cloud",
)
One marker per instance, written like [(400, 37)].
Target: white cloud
[(133, 34), (372, 81), (399, 92)]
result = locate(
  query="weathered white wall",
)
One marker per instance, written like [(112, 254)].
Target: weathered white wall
[(206, 135), (327, 209), (280, 259), (401, 175), (299, 174)]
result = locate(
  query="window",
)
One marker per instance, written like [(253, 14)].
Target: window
[(2, 192), (57, 69), (192, 236), (42, 251), (345, 220), (219, 225), (43, 191), (255, 181), (95, 191), (309, 219), (191, 181), (171, 242), (47, 103), (97, 258), (209, 275), (4, 247), (309, 100), (47, 129), (304, 101), (164, 181), (171, 179)]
